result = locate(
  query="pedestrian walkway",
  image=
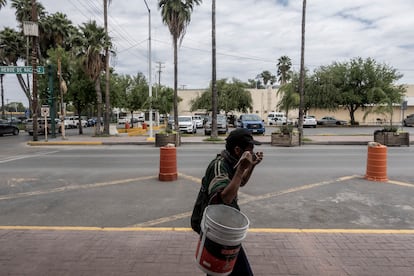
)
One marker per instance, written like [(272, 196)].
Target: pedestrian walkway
[(170, 252)]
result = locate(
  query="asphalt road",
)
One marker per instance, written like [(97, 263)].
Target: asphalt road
[(300, 187)]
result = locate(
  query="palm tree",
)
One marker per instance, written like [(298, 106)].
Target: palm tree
[(267, 78), (176, 14), (24, 13), (24, 10), (214, 104), (107, 97), (302, 75), (94, 43), (3, 3), (284, 66), (54, 31)]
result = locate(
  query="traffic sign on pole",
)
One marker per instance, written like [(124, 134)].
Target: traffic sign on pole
[(21, 70)]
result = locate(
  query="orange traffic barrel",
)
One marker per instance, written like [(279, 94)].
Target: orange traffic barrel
[(168, 163), (376, 162)]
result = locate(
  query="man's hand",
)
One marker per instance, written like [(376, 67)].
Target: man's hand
[(257, 158)]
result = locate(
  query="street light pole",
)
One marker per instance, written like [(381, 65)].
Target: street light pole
[(149, 69)]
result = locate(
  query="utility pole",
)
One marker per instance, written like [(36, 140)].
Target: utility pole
[(149, 70)]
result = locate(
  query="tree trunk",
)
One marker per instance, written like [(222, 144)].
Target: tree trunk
[(107, 99), (2, 96), (302, 75), (98, 106), (175, 84), (214, 133)]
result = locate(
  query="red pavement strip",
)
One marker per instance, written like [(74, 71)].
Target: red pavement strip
[(30, 250)]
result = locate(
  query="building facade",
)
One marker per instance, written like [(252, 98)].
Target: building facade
[(266, 100)]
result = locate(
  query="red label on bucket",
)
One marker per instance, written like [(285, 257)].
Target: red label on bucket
[(217, 258)]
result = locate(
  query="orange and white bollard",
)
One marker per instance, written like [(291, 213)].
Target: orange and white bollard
[(168, 163), (376, 162)]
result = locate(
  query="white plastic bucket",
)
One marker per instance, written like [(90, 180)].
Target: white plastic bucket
[(223, 228)]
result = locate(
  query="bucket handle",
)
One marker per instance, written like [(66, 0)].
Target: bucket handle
[(201, 247)]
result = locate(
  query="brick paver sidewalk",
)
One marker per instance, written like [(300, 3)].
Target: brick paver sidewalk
[(63, 251)]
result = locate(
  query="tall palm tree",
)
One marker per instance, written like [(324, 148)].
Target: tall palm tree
[(54, 30), (107, 77), (94, 43), (176, 14), (3, 3), (214, 104), (24, 10), (284, 65), (302, 75), (13, 49), (24, 13)]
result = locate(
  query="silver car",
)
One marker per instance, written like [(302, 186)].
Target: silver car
[(222, 127)]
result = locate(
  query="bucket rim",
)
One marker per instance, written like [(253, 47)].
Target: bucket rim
[(244, 228)]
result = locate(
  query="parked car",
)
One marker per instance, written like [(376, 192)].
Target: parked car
[(198, 121), (222, 126), (409, 121), (329, 120), (73, 122), (252, 122), (186, 124), (309, 121), (8, 129), (41, 126), (276, 118)]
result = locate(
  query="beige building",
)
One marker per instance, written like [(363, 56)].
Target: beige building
[(265, 100)]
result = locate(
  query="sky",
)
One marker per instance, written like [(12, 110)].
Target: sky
[(250, 37)]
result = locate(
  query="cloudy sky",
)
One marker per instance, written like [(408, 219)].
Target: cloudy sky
[(251, 35)]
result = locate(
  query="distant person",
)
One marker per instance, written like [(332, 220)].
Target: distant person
[(230, 170)]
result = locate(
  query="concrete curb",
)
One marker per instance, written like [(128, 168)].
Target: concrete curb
[(67, 143)]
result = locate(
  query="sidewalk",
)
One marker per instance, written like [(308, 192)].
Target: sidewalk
[(170, 252)]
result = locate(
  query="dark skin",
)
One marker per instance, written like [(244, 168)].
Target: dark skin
[(243, 172)]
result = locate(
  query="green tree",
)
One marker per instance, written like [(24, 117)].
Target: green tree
[(55, 31), (385, 100), (119, 87), (284, 65), (267, 78), (360, 83), (80, 91), (176, 14), (12, 51), (24, 10), (254, 83), (164, 101), (94, 41), (232, 96), (137, 94), (290, 95)]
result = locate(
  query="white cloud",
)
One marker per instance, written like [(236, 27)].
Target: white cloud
[(251, 36)]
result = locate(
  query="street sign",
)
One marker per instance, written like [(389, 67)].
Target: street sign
[(21, 70), (44, 110)]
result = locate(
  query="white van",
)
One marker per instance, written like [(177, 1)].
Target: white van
[(276, 118)]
